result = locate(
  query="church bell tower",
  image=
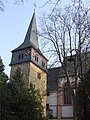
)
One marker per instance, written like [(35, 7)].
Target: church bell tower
[(31, 61)]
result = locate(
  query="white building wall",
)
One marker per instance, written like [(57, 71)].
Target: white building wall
[(53, 98), (54, 111), (52, 101), (67, 111)]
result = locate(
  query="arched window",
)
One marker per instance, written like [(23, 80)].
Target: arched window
[(67, 95)]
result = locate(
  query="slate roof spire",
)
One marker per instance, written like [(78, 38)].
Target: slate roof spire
[(32, 32), (31, 38)]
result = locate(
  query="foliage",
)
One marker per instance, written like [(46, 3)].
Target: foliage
[(83, 98), (3, 76), (3, 3), (19, 102), (3, 79)]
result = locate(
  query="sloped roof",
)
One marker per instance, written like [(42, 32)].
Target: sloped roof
[(55, 73), (31, 38)]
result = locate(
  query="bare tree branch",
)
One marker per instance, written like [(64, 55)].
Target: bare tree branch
[(67, 31), (2, 5), (47, 2)]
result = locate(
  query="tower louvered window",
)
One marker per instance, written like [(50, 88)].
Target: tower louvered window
[(20, 56)]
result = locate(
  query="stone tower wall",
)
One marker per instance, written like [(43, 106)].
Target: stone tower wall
[(25, 69), (30, 75), (40, 83)]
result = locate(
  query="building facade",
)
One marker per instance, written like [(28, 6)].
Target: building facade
[(31, 61), (59, 101)]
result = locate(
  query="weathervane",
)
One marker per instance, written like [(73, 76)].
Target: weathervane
[(34, 6)]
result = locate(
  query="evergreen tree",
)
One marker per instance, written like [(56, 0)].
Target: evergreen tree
[(3, 76), (83, 98), (3, 79), (17, 102), (22, 102)]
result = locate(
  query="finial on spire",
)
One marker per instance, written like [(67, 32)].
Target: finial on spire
[(34, 6)]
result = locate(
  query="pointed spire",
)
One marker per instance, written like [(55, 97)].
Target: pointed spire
[(31, 35), (31, 38)]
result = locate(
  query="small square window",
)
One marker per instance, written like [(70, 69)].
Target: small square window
[(39, 75), (38, 92)]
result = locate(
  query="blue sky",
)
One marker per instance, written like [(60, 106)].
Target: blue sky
[(14, 22)]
